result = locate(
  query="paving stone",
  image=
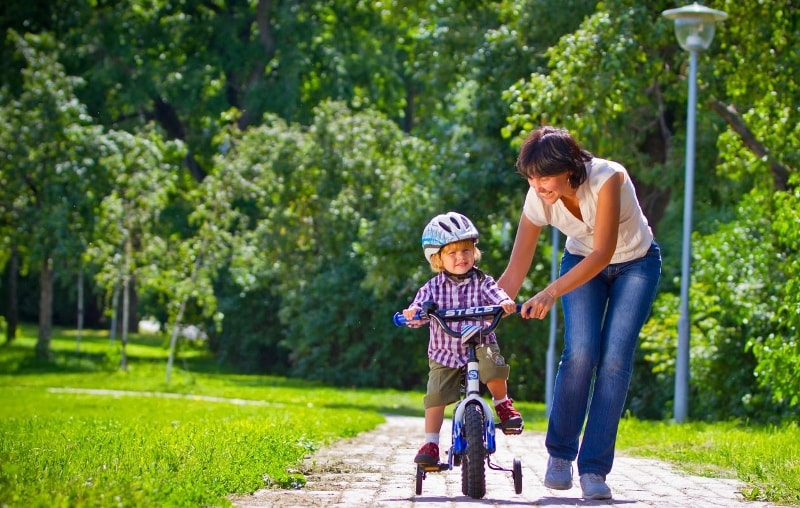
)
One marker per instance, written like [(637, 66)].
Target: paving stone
[(376, 469)]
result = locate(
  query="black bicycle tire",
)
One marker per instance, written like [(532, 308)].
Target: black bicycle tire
[(473, 479), (420, 476), (464, 477)]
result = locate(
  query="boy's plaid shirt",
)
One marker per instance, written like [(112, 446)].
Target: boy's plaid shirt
[(477, 290)]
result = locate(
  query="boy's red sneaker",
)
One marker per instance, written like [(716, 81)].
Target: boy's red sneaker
[(509, 416), (428, 455)]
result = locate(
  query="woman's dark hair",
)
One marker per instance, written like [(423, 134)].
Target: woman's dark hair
[(551, 151)]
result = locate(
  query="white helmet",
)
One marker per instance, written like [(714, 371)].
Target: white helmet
[(446, 228)]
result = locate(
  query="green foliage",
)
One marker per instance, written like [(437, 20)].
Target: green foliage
[(251, 336), (740, 269), (776, 348), (581, 88), (144, 174), (751, 71), (316, 141), (49, 175), (739, 288), (335, 208)]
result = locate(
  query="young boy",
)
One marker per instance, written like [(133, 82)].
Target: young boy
[(449, 242)]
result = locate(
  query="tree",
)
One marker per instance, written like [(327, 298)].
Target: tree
[(50, 176), (192, 267), (334, 214), (332, 130), (777, 351), (618, 82), (753, 89), (128, 239)]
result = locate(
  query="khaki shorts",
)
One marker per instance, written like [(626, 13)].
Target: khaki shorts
[(444, 383)]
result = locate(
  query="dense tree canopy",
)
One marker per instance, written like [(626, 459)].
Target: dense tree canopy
[(263, 170)]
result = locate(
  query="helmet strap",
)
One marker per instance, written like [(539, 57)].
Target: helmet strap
[(474, 271)]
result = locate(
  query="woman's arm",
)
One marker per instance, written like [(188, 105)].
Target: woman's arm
[(521, 257)]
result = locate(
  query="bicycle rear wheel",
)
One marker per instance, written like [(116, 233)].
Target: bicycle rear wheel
[(473, 472)]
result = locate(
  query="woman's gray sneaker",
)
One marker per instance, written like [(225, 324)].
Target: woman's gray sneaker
[(559, 474), (594, 487)]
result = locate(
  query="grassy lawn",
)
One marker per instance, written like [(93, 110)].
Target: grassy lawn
[(766, 458), (61, 446)]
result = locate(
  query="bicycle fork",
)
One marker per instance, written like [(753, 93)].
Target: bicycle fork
[(472, 396)]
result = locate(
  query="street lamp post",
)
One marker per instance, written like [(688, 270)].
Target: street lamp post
[(694, 28), (550, 370)]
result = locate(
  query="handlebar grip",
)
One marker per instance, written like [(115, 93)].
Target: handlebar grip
[(400, 320)]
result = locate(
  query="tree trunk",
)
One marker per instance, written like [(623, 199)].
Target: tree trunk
[(45, 309), (179, 318), (133, 305), (123, 362), (12, 309), (780, 172), (173, 340), (80, 311), (654, 201), (112, 333)]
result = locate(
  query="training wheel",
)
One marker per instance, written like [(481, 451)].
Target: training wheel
[(420, 477), (516, 473)]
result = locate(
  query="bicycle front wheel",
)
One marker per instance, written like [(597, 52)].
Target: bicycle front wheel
[(473, 472)]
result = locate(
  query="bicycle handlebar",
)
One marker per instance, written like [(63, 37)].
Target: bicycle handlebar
[(464, 314)]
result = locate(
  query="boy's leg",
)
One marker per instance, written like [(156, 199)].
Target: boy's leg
[(494, 372), (498, 388), (443, 389), (429, 453), (434, 416)]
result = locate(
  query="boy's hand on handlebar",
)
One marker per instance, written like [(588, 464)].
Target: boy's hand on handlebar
[(509, 306), (411, 313)]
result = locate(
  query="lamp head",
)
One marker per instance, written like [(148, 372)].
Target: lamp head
[(694, 25)]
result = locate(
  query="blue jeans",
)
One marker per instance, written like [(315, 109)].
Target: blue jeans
[(602, 321)]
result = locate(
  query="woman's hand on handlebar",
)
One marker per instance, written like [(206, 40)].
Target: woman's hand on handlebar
[(539, 305)]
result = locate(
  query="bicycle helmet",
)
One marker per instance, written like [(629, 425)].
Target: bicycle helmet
[(446, 228)]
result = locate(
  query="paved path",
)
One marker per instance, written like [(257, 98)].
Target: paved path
[(376, 469)]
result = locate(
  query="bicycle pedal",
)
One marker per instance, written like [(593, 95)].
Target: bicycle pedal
[(512, 431)]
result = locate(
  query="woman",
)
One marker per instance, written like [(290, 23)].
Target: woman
[(608, 279)]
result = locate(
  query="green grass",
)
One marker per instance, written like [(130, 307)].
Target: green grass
[(193, 447), (765, 458), (84, 450)]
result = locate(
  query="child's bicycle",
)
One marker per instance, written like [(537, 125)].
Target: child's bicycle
[(473, 433)]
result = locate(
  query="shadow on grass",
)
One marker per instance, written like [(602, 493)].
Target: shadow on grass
[(97, 354), (19, 359)]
